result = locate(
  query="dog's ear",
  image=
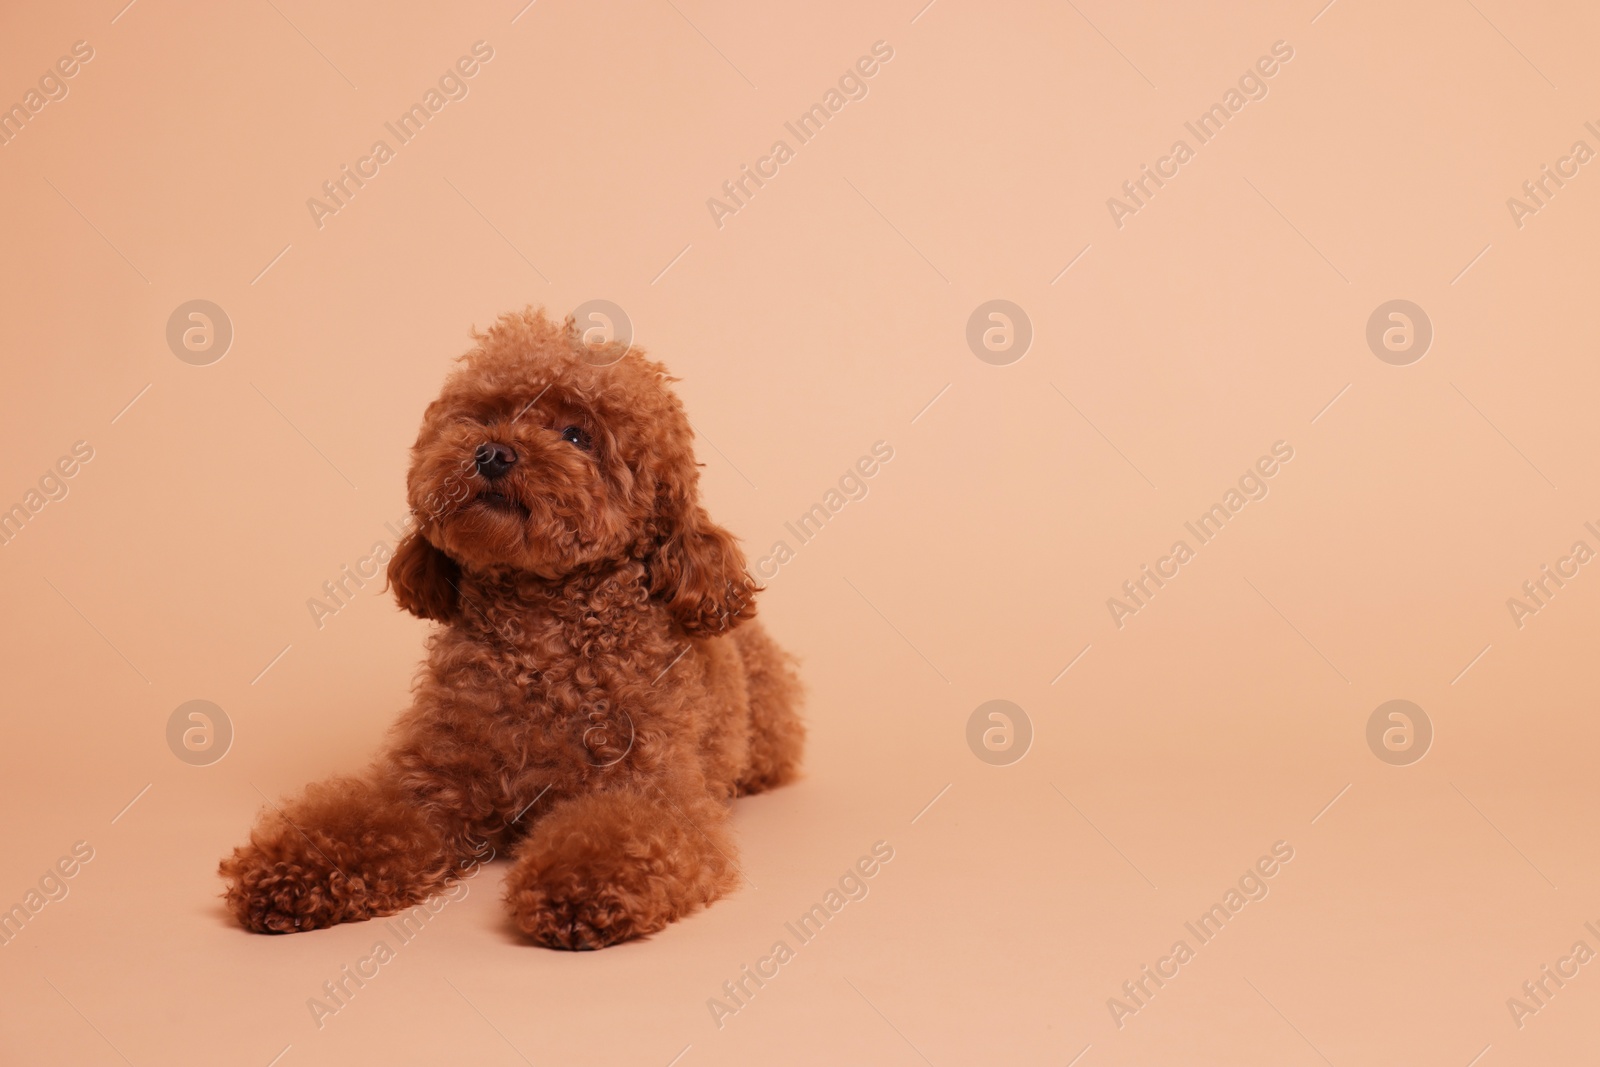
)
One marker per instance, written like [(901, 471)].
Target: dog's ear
[(697, 568), (424, 579)]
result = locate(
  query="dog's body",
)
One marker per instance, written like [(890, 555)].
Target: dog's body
[(598, 692)]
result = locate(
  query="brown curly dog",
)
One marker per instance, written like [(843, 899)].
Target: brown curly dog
[(597, 692)]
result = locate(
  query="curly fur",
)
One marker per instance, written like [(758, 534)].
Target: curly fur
[(597, 691)]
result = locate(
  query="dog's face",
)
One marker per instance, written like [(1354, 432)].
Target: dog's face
[(543, 467), (547, 456)]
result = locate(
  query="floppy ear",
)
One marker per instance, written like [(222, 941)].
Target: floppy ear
[(697, 568), (424, 578)]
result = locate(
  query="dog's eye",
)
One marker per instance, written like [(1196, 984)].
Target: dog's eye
[(576, 435)]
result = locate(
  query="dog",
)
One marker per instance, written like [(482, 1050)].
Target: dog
[(597, 690)]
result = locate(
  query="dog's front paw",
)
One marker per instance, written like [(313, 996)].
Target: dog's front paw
[(349, 849), (281, 897), (608, 867), (578, 910)]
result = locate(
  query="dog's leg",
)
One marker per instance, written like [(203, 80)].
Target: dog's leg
[(610, 866), (777, 735), (347, 849)]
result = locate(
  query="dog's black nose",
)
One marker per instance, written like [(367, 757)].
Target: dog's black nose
[(494, 459)]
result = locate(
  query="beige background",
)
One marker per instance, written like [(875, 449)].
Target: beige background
[(824, 316)]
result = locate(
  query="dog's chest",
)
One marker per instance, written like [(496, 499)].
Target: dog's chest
[(573, 683)]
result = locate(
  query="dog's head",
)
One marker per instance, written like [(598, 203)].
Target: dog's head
[(549, 456)]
